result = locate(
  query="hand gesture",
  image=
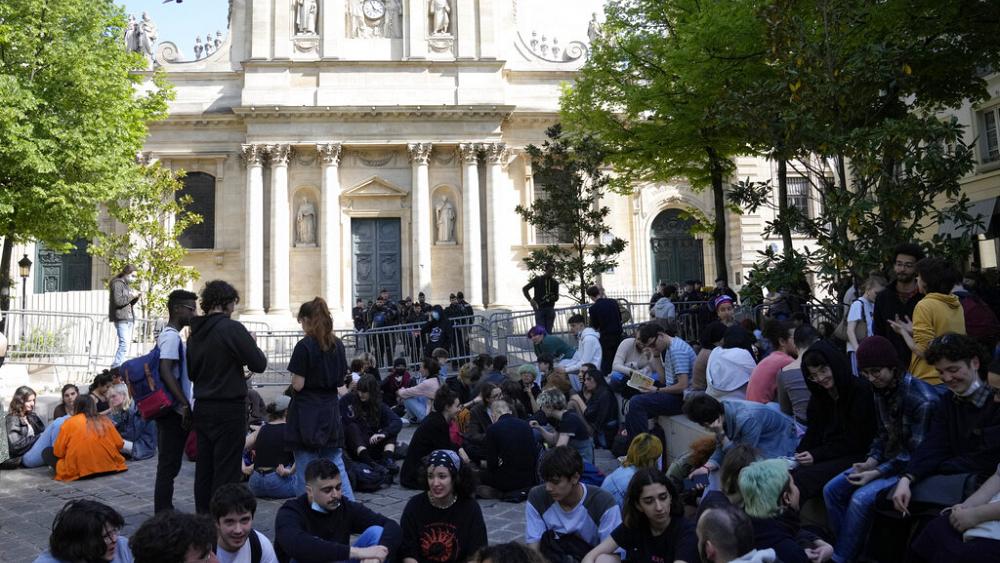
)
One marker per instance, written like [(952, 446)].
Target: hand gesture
[(901, 326), (901, 497), (534, 304), (821, 551), (804, 458), (376, 438), (375, 552), (962, 518), (869, 463), (699, 471), (861, 478)]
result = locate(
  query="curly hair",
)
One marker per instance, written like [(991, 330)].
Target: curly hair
[(167, 536), (21, 396), (954, 347), (463, 480), (218, 293)]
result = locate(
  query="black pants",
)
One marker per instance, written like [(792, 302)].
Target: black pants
[(810, 479), (356, 437), (221, 428), (609, 347), (170, 443)]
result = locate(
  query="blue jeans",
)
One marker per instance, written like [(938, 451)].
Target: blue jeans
[(272, 485), (368, 538), (849, 512), (33, 457), (416, 407), (336, 455), (644, 406), (124, 330)]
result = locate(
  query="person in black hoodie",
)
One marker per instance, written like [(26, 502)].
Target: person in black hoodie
[(217, 351), (602, 407), (841, 417), (436, 333), (606, 319), (370, 426), (432, 434), (317, 526)]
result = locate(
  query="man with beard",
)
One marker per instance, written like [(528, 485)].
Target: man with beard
[(896, 302)]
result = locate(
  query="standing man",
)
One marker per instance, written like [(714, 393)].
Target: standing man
[(546, 293), (671, 363), (606, 319), (121, 299), (218, 350), (722, 288), (172, 428), (896, 302)]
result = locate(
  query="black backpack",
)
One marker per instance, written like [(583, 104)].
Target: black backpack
[(368, 477)]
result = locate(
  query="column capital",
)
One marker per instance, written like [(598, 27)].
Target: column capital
[(420, 153), (469, 152), (279, 154), (496, 153), (330, 153), (253, 154)]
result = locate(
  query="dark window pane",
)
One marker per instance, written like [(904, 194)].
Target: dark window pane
[(201, 188)]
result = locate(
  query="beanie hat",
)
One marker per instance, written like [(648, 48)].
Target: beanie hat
[(876, 352)]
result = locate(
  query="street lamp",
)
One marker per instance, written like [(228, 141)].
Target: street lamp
[(24, 268)]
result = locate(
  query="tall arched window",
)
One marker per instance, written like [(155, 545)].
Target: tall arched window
[(201, 187)]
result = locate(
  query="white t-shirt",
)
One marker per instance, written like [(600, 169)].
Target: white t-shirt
[(855, 314), (576, 520), (171, 348), (243, 555)]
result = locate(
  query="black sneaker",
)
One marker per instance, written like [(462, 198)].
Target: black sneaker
[(390, 464)]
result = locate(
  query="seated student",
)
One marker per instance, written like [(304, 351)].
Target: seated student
[(549, 345), (463, 382), (357, 367), (730, 366), (763, 386), (88, 444), (725, 535), (69, 393), (521, 394), (233, 507), (588, 350), (22, 424), (445, 523), (174, 537), (546, 364), (699, 451), (645, 451), (602, 406), (738, 457), (771, 500), (904, 405), (793, 393), (510, 463), (398, 378), (417, 399), (443, 360), (99, 388), (570, 428), (432, 434), (711, 337), (496, 375), (370, 426), (87, 530), (317, 526), (139, 434), (474, 436), (563, 517), (35, 457), (274, 472), (653, 527), (841, 419), (510, 552), (671, 363), (742, 422), (964, 436), (559, 379)]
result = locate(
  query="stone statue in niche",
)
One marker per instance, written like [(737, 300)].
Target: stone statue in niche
[(445, 219), (392, 25), (305, 224), (440, 11), (305, 17)]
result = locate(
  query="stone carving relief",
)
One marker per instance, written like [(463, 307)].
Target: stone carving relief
[(375, 159), (538, 39), (140, 36), (305, 223), (420, 153), (368, 19), (306, 16), (330, 153), (444, 216)]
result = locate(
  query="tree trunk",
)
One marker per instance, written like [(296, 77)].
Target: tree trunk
[(719, 232), (8, 248), (783, 227)]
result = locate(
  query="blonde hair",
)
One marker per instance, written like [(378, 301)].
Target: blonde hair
[(121, 389), (644, 451)]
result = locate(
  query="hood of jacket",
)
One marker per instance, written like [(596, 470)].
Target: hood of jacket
[(757, 556), (588, 332), (839, 365), (204, 324), (950, 300), (729, 368)]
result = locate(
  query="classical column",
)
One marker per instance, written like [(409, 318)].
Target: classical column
[(420, 207), (330, 225), (253, 233), (279, 155), (497, 245), (471, 240)]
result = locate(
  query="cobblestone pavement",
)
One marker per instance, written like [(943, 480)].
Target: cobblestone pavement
[(30, 498)]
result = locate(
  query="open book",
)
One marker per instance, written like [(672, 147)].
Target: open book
[(641, 382)]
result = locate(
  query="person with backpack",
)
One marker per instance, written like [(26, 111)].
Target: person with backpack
[(370, 426), (218, 350), (233, 507), (860, 317), (565, 519)]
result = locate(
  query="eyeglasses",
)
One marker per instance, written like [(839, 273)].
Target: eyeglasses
[(191, 307), (907, 265), (111, 535)]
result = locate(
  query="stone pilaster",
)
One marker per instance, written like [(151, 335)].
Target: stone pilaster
[(330, 226), (280, 229), (420, 207), (471, 228), (497, 242), (253, 234)]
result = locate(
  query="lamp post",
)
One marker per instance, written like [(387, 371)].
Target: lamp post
[(24, 269)]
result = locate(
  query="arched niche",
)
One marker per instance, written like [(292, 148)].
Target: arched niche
[(305, 219)]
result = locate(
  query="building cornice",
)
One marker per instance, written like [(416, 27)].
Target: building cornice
[(356, 113)]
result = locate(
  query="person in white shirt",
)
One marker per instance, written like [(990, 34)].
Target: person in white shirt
[(233, 507), (861, 312), (588, 349)]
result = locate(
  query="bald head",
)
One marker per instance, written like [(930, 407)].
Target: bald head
[(724, 533)]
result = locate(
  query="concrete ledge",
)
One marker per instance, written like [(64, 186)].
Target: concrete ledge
[(680, 432)]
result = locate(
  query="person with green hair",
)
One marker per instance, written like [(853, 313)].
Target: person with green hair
[(644, 452), (771, 500)]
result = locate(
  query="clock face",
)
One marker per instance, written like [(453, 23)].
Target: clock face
[(374, 9)]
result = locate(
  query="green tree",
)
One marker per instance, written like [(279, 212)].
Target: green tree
[(569, 175), (73, 114), (152, 217)]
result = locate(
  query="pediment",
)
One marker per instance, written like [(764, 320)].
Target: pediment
[(375, 187)]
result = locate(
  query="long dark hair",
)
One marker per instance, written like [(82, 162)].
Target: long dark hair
[(86, 406), (100, 379), (21, 396), (128, 269), (633, 516), (78, 530), (320, 322), (372, 408)]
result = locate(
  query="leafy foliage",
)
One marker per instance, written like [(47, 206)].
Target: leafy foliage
[(570, 173), (153, 218)]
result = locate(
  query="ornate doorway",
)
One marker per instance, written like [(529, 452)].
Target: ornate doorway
[(677, 256), (375, 248), (63, 272)]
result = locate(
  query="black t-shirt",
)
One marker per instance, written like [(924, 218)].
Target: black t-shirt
[(323, 371), (269, 450), (677, 542), (435, 535), (573, 425)]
